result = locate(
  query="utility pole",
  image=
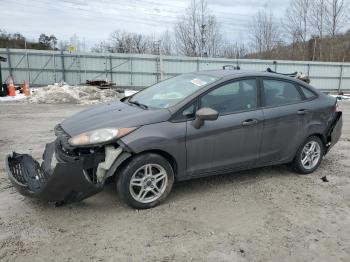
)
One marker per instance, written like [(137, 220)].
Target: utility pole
[(27, 61), (202, 29), (159, 62), (202, 39)]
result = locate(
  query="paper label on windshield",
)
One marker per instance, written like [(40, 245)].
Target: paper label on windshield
[(198, 82)]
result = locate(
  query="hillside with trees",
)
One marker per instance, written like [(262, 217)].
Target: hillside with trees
[(17, 40), (315, 30)]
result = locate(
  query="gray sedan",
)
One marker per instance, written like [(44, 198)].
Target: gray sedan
[(189, 126)]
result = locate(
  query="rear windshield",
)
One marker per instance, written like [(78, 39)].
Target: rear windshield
[(172, 91)]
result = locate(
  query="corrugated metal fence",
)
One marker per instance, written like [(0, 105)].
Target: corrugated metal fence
[(133, 70)]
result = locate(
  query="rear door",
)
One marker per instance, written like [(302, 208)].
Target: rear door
[(284, 115), (233, 140)]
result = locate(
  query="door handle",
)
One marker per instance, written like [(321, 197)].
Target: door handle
[(301, 112), (250, 122)]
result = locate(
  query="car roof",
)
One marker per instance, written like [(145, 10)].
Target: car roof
[(228, 74), (231, 74), (223, 73)]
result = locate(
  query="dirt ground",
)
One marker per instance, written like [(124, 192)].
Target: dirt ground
[(268, 214)]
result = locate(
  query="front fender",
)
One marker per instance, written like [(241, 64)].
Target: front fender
[(165, 136)]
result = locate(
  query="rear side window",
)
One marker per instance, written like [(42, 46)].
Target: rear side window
[(308, 93), (232, 97), (278, 92)]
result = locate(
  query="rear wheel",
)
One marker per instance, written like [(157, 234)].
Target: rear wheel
[(145, 181), (309, 156)]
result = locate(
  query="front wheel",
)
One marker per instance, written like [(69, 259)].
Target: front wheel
[(309, 156), (145, 181)]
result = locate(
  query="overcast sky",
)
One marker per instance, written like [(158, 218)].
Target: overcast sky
[(94, 20)]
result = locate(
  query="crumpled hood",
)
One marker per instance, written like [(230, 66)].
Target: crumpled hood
[(113, 114)]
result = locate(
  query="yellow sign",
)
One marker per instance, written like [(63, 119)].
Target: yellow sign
[(72, 48)]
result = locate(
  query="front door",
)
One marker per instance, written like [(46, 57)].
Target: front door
[(233, 140)]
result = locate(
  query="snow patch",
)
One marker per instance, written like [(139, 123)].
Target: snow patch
[(65, 94), (342, 97), (18, 97), (128, 92)]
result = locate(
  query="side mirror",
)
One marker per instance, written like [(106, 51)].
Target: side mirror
[(204, 114)]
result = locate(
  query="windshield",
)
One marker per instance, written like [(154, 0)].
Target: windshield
[(171, 91)]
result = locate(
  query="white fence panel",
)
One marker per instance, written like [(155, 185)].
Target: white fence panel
[(136, 70)]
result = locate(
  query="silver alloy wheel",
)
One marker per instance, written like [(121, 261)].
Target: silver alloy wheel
[(310, 155), (148, 183)]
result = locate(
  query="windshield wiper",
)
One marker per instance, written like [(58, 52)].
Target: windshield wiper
[(137, 103)]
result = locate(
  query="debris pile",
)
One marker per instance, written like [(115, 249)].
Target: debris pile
[(303, 77), (297, 75), (62, 93), (100, 83)]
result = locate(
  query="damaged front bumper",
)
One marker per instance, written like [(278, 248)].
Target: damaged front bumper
[(54, 180)]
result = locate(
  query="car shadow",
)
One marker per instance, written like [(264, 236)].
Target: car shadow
[(252, 176), (108, 198)]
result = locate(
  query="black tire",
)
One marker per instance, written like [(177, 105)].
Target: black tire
[(127, 172), (297, 165)]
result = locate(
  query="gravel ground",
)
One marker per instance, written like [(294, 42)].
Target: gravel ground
[(267, 214)]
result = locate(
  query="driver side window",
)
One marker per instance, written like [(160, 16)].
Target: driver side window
[(232, 97)]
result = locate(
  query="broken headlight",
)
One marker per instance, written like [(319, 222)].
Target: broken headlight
[(99, 136)]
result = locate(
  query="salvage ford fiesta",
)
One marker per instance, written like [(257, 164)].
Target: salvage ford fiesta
[(192, 125)]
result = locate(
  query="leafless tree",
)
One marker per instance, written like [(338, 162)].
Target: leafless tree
[(139, 43), (155, 45), (167, 45), (197, 32), (312, 29), (336, 14), (235, 50), (212, 42), (296, 24), (317, 18), (120, 42), (265, 34), (101, 47), (125, 42), (186, 31)]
